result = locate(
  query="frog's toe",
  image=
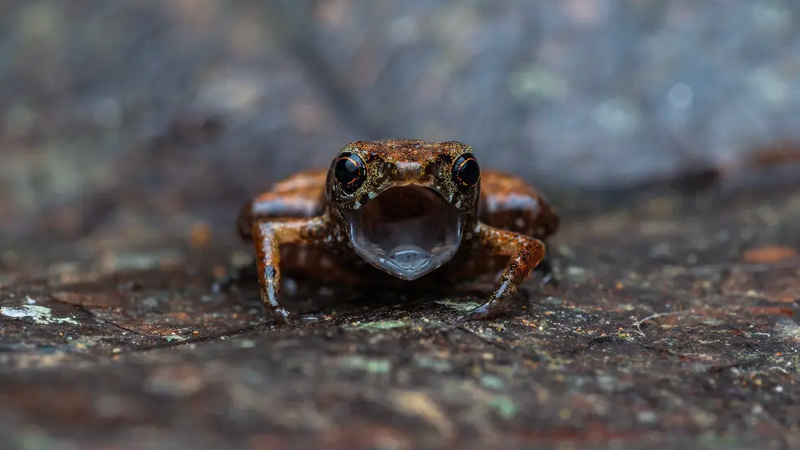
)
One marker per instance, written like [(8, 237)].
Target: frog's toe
[(284, 318), (482, 312)]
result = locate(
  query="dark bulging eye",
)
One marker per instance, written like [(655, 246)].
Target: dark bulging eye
[(466, 171), (350, 171)]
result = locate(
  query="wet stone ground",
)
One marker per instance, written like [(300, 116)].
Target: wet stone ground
[(674, 325)]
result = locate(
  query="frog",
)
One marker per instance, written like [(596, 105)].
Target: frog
[(390, 212)]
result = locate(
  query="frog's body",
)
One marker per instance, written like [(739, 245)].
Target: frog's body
[(395, 211)]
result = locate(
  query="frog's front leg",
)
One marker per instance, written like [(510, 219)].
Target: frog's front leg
[(525, 254), (268, 236)]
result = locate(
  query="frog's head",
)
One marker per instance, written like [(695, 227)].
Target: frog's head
[(405, 204)]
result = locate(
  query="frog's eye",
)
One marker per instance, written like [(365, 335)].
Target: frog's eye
[(350, 171), (466, 171)]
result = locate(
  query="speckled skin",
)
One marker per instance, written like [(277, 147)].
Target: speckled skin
[(298, 224)]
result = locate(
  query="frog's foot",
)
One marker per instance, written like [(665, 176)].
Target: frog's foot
[(525, 254), (284, 318), (268, 236), (483, 312)]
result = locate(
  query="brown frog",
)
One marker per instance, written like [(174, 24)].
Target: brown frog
[(395, 211)]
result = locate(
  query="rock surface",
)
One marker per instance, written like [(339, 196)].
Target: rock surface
[(674, 325)]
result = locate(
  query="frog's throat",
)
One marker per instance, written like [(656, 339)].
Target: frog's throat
[(406, 231)]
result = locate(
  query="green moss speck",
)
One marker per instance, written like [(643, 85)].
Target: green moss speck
[(381, 325), (504, 406), (492, 382), (375, 366)]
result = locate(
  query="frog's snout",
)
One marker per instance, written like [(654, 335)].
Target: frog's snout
[(410, 174)]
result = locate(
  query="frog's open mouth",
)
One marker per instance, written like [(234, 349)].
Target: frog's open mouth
[(407, 231)]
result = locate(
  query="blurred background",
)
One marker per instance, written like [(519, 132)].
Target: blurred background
[(158, 118)]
